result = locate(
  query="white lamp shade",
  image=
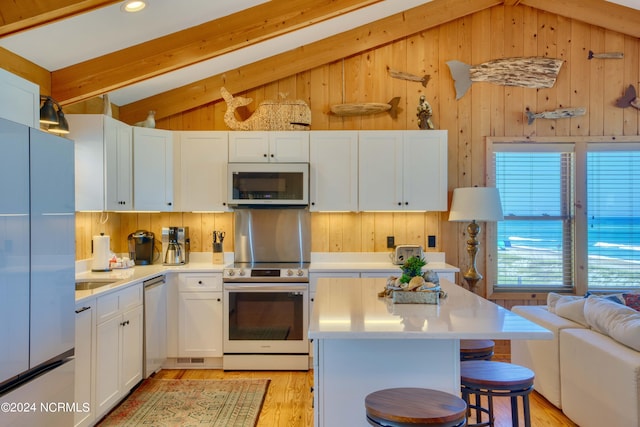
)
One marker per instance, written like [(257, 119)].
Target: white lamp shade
[(476, 204)]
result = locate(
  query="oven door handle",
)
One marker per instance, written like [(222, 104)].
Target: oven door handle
[(265, 287)]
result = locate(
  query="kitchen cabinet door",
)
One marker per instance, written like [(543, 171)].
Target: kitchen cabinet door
[(118, 149), (402, 170), (425, 170), (119, 346), (272, 146), (380, 171), (19, 100), (200, 324), (248, 147), (85, 323), (153, 170), (203, 171), (103, 162), (132, 336), (333, 163), (289, 146), (107, 385)]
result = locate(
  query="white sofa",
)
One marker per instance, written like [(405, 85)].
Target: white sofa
[(591, 368)]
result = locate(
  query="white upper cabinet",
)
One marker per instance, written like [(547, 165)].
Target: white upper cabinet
[(203, 171), (103, 162), (333, 162), (265, 147), (153, 170), (19, 100), (402, 170)]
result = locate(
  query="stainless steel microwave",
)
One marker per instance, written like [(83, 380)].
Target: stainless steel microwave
[(268, 183)]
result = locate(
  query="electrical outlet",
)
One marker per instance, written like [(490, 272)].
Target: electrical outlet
[(391, 242), (431, 241)]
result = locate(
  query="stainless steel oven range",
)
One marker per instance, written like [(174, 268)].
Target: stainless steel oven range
[(266, 317), (266, 293)]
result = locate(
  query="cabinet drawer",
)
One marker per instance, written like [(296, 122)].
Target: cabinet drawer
[(200, 282), (113, 304)]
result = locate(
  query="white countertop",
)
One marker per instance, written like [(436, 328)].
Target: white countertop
[(200, 262), (368, 262), (349, 308)]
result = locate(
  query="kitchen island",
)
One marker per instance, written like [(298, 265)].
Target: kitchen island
[(364, 343)]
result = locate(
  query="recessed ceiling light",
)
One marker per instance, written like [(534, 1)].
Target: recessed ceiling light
[(133, 6)]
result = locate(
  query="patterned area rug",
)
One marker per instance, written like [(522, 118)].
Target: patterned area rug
[(164, 403)]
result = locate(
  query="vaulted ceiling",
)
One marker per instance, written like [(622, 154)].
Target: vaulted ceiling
[(174, 56)]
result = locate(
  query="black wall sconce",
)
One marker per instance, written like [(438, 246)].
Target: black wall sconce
[(53, 119)]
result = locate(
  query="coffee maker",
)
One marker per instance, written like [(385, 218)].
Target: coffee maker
[(141, 244), (175, 245)]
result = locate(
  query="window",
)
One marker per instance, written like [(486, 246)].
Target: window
[(535, 240), (572, 215), (613, 218)]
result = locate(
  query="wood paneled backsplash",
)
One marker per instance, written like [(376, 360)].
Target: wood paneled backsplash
[(331, 232), (486, 110)]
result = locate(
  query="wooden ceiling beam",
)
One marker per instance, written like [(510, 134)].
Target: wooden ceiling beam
[(304, 58), (190, 46), (22, 15), (601, 13)]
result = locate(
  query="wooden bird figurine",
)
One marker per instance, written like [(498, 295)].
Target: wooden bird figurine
[(149, 122)]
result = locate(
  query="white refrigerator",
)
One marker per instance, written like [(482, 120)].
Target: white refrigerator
[(37, 277)]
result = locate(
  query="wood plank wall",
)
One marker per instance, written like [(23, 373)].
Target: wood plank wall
[(502, 31)]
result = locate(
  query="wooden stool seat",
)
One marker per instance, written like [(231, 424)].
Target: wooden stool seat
[(476, 349), (415, 407), (494, 379)]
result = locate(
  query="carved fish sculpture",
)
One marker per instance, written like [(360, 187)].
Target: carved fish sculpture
[(359, 109), (408, 76), (269, 115), (560, 113), (629, 99), (530, 72)]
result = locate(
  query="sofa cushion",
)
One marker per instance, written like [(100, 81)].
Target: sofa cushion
[(614, 320), (572, 309), (553, 299)]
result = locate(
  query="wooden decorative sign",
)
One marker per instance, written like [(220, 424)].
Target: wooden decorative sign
[(530, 72), (560, 113)]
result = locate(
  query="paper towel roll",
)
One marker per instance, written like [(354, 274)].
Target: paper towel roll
[(101, 253)]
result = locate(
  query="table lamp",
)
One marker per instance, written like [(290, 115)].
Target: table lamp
[(475, 204)]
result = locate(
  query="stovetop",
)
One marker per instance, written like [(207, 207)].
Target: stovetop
[(267, 272)]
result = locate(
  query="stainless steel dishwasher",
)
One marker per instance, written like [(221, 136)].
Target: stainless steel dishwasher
[(155, 324)]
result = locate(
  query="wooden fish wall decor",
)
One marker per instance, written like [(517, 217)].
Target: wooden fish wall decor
[(531, 72), (360, 109), (560, 113), (269, 115), (410, 77), (629, 99), (611, 55)]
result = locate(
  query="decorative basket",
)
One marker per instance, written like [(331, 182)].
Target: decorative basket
[(416, 297)]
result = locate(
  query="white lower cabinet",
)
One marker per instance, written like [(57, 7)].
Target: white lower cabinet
[(200, 315), (119, 346), (85, 334)]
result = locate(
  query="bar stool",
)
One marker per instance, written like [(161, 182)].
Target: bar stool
[(476, 349), (493, 379), (415, 407)]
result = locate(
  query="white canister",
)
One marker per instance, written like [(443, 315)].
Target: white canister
[(101, 253)]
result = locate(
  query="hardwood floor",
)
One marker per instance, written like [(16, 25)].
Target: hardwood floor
[(289, 400)]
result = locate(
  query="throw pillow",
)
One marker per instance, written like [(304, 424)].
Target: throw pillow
[(572, 308), (552, 299), (632, 300), (614, 320)]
